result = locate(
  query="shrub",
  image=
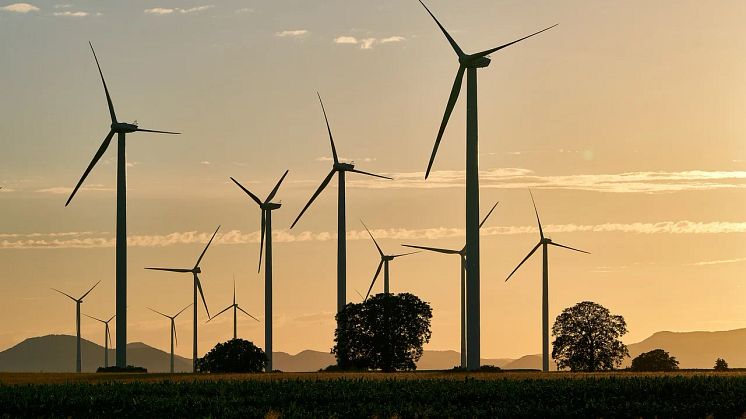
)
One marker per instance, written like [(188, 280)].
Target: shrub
[(721, 365), (235, 355), (655, 360)]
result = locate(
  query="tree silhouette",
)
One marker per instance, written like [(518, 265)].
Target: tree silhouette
[(235, 355), (721, 365), (587, 338), (385, 332), (655, 360)]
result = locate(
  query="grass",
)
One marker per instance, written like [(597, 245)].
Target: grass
[(422, 394)]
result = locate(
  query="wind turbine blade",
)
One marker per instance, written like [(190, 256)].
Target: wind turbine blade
[(541, 231), (91, 317), (568, 247), (403, 254), (361, 295), (328, 128), (111, 318), (96, 158), (455, 90), (378, 271), (65, 294), (488, 214), (369, 174), (434, 249), (106, 89), (182, 310), (108, 334), (523, 261), (171, 270), (318, 191), (234, 289), (158, 132), (206, 247), (199, 287), (261, 246), (374, 239), (451, 41), (226, 309), (156, 311), (276, 188), (254, 197), (490, 51), (89, 291), (176, 338), (244, 311)]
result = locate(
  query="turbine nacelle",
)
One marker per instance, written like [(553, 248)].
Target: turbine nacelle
[(197, 270), (546, 240), (474, 61), (123, 127), (388, 258), (269, 206), (343, 167)]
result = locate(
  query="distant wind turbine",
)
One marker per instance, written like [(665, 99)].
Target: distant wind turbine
[(470, 62), (107, 337), (340, 169), (121, 129), (544, 242), (235, 308), (173, 331), (78, 302), (267, 206), (195, 271), (385, 259), (462, 256)]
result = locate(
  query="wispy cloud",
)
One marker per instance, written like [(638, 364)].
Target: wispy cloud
[(167, 11), (517, 178), (205, 163), (718, 262), (64, 190), (244, 10), (291, 33), (68, 13), (361, 159), (98, 240), (367, 43), (20, 8), (63, 6)]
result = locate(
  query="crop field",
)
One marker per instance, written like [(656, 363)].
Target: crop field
[(422, 394)]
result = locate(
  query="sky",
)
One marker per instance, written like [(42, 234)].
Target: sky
[(626, 121)]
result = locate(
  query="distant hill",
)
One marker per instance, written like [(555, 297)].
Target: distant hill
[(56, 353)]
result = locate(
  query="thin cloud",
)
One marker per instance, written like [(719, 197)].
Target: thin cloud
[(291, 33), (20, 8), (85, 240), (64, 190), (167, 11), (361, 159), (63, 6), (244, 10), (718, 262), (517, 178), (205, 163), (367, 43), (71, 14)]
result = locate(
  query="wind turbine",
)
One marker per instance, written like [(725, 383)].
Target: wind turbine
[(385, 259), (267, 206), (78, 302), (339, 168), (173, 331), (235, 308), (470, 62), (544, 243), (107, 337), (195, 271), (121, 129), (462, 257)]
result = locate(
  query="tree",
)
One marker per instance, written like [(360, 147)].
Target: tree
[(235, 355), (385, 332), (655, 360), (721, 365), (587, 338)]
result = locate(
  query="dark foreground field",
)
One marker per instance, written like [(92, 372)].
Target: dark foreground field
[(424, 394)]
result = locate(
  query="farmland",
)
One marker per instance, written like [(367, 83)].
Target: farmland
[(426, 394)]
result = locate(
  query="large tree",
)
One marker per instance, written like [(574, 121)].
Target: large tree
[(385, 332), (655, 360), (587, 338), (235, 355)]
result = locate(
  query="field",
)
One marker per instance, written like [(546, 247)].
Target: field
[(422, 394)]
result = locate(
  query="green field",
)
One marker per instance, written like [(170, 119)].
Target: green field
[(425, 394)]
